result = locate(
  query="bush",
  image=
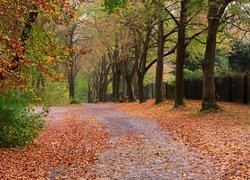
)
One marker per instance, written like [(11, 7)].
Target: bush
[(19, 123)]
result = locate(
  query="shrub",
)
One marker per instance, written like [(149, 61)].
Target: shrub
[(19, 123)]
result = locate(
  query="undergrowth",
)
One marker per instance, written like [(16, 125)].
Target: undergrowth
[(19, 123)]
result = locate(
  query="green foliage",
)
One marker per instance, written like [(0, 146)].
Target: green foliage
[(112, 5), (241, 9), (81, 89), (239, 60), (188, 74), (193, 65), (221, 64), (54, 93), (45, 51), (19, 123), (171, 82)]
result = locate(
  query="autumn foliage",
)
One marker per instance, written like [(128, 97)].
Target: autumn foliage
[(66, 148), (18, 22), (223, 136)]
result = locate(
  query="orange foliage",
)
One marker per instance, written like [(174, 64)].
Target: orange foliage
[(223, 136), (66, 147), (15, 23)]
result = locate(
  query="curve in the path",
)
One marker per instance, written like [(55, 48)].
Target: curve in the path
[(140, 150)]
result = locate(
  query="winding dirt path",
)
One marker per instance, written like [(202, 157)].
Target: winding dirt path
[(139, 149)]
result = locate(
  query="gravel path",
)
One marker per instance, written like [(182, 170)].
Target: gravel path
[(140, 150)]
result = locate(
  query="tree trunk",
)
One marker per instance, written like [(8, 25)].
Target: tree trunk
[(128, 76), (72, 88), (208, 96), (130, 91), (113, 82), (105, 94), (40, 84), (124, 90), (142, 64), (215, 12), (159, 66), (100, 96), (181, 53), (71, 80), (89, 93), (141, 97), (117, 85)]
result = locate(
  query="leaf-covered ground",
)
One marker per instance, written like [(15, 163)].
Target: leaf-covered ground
[(139, 149), (224, 137), (66, 148), (71, 144)]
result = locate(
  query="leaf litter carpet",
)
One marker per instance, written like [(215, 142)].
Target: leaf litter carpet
[(138, 149), (101, 141)]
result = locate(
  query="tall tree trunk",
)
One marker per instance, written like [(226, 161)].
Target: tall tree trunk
[(71, 79), (159, 66), (116, 82), (100, 95), (105, 94), (89, 93), (117, 85), (72, 88), (215, 12), (130, 91), (142, 63), (114, 56), (181, 53), (128, 74), (140, 83), (208, 96), (113, 82), (96, 91), (40, 84), (94, 94), (124, 90)]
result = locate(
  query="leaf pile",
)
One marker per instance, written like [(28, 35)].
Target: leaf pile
[(66, 148), (224, 137)]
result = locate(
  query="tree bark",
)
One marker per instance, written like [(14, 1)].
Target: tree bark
[(40, 83), (101, 93), (124, 88), (181, 53), (113, 82), (159, 66), (89, 93), (129, 79), (142, 61), (130, 90), (215, 12), (140, 83), (208, 96), (117, 85), (72, 88)]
